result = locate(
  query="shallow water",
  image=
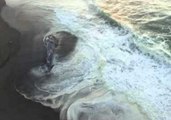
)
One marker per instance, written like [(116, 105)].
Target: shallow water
[(105, 54)]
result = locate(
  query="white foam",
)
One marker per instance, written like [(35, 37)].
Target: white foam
[(145, 81)]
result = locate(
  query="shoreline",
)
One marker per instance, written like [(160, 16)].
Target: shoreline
[(14, 106)]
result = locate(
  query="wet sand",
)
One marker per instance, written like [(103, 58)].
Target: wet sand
[(13, 106)]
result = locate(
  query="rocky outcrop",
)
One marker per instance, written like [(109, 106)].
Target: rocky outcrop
[(9, 43), (66, 43)]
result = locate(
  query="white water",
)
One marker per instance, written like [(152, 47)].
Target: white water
[(142, 79), (108, 54)]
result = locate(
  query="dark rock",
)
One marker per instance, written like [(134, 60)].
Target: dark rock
[(9, 35), (66, 43), (9, 42), (62, 43)]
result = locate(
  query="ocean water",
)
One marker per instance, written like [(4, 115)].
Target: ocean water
[(150, 20), (123, 46)]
